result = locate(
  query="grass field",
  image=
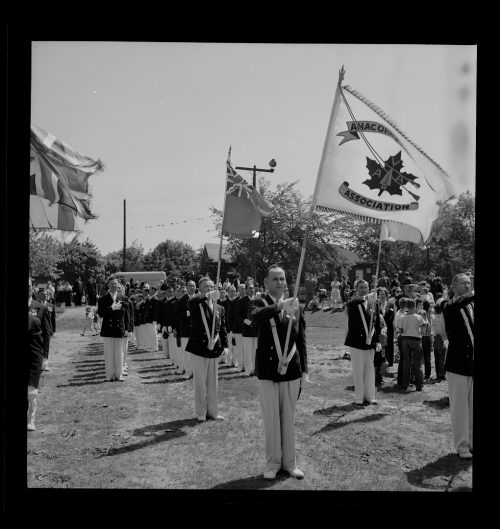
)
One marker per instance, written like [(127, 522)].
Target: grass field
[(142, 434)]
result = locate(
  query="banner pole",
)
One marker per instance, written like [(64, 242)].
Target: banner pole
[(220, 247), (333, 115), (376, 277)]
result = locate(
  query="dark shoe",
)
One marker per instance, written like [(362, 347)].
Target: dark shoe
[(419, 388)]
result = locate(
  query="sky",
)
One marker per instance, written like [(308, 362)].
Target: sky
[(161, 117)]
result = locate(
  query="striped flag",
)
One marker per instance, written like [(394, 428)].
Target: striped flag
[(59, 174), (373, 171), (244, 206)]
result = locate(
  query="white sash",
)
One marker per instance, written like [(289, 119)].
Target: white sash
[(467, 324), (211, 343), (278, 344), (368, 335)]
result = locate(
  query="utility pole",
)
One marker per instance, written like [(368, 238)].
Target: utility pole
[(124, 234), (253, 240)]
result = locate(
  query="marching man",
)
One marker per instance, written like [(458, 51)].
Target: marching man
[(206, 351), (363, 339), (280, 373)]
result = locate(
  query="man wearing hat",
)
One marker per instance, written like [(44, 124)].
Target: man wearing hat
[(183, 317)]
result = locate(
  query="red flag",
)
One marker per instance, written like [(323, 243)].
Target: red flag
[(244, 207)]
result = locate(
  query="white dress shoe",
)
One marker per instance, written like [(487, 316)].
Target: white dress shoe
[(31, 427), (270, 474), (296, 473), (465, 454), (201, 418)]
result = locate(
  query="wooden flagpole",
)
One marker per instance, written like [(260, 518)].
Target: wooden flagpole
[(376, 277), (333, 115), (220, 246)]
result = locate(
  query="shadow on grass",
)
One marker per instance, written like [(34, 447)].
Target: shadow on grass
[(447, 467), (231, 376), (163, 359), (92, 381), (393, 389), (157, 433), (83, 363), (440, 404), (335, 425), (154, 369), (89, 376), (167, 380), (253, 482), (334, 409)]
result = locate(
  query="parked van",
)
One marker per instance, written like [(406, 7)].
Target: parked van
[(152, 278)]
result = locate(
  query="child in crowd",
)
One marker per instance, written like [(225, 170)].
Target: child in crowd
[(410, 326), (425, 312), (91, 320)]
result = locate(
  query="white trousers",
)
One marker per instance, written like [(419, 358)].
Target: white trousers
[(249, 345), (164, 347), (238, 350), (277, 403), (460, 389), (32, 396), (151, 336), (125, 350), (139, 335), (172, 349), (205, 374), (363, 373), (185, 357), (113, 356)]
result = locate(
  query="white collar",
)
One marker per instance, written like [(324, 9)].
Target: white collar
[(275, 299)]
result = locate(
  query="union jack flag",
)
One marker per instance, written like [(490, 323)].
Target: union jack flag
[(237, 186)]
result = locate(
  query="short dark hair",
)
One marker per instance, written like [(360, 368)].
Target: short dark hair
[(273, 267), (201, 280), (163, 287)]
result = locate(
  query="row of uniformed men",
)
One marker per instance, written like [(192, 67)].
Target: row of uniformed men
[(206, 344)]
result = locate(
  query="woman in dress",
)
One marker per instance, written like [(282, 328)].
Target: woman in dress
[(336, 299)]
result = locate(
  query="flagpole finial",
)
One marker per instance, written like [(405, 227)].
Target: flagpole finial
[(341, 74)]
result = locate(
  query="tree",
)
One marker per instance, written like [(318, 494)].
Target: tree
[(82, 260), (450, 249), (176, 258), (44, 253), (134, 257)]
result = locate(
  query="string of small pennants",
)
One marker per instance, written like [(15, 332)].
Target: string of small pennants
[(165, 225)]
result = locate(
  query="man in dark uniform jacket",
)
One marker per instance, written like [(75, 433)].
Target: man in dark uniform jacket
[(231, 297), (34, 361), (171, 322), (459, 322), (248, 330), (160, 318), (114, 329), (129, 307), (183, 318), (205, 352), (359, 315), (278, 393), (236, 329), (150, 311), (44, 315)]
